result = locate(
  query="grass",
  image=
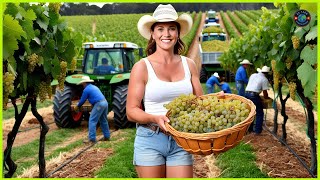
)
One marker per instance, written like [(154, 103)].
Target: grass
[(9, 113), (27, 155), (239, 162), (119, 165)]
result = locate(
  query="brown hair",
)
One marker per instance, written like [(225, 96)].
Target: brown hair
[(179, 47)]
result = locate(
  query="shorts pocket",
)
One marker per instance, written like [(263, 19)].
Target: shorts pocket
[(144, 132)]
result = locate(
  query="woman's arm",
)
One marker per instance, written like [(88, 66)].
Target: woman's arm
[(195, 79), (136, 90)]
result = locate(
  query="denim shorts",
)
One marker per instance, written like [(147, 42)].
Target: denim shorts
[(153, 148)]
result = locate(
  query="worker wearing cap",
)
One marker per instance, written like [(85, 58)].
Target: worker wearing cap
[(258, 83), (99, 111), (241, 77), (214, 79)]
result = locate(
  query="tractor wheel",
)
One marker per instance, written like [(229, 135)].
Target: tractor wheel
[(203, 75), (63, 116), (119, 108)]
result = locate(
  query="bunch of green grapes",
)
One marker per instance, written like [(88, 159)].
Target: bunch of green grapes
[(73, 64), (62, 75), (33, 60), (288, 62), (205, 115), (214, 45), (295, 42), (8, 87), (213, 29), (276, 75), (55, 7), (42, 91), (48, 86), (292, 90)]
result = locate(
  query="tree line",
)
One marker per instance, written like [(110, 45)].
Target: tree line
[(69, 9)]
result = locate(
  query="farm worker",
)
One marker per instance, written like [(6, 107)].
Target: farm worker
[(105, 68), (258, 82), (99, 111), (241, 77), (224, 86), (156, 80), (211, 82)]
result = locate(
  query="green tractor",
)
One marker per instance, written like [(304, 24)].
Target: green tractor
[(113, 84)]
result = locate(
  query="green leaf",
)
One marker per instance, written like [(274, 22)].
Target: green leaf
[(282, 44), (42, 24), (30, 15), (309, 55), (308, 78), (312, 34), (299, 32), (10, 46), (28, 28), (56, 67), (24, 80), (12, 27), (12, 63), (47, 65)]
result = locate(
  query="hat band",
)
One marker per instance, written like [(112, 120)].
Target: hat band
[(165, 12)]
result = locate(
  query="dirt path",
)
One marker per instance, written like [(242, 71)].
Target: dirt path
[(193, 52)]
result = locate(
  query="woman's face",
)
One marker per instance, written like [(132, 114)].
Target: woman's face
[(165, 34)]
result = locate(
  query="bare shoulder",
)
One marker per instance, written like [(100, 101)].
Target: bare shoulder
[(191, 63), (139, 66)]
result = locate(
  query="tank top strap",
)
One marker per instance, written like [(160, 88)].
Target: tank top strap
[(186, 67), (151, 73)]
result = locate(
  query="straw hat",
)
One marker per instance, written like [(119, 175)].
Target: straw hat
[(85, 79), (164, 13), (265, 69), (216, 75), (245, 61)]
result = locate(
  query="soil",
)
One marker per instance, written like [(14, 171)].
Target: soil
[(272, 157)]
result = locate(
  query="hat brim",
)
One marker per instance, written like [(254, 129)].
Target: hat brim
[(85, 81), (245, 63), (146, 21)]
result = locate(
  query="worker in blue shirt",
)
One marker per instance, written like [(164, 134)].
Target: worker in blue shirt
[(99, 111), (224, 86), (214, 79), (241, 77)]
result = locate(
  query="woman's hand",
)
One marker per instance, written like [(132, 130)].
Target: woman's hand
[(160, 120)]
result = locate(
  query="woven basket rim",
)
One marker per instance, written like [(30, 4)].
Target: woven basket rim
[(223, 132)]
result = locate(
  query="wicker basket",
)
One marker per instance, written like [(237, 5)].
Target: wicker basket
[(214, 142)]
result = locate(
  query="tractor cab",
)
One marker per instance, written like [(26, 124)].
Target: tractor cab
[(103, 58)]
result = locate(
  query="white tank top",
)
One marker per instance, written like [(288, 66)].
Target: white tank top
[(158, 92)]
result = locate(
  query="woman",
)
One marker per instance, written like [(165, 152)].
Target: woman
[(157, 80)]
